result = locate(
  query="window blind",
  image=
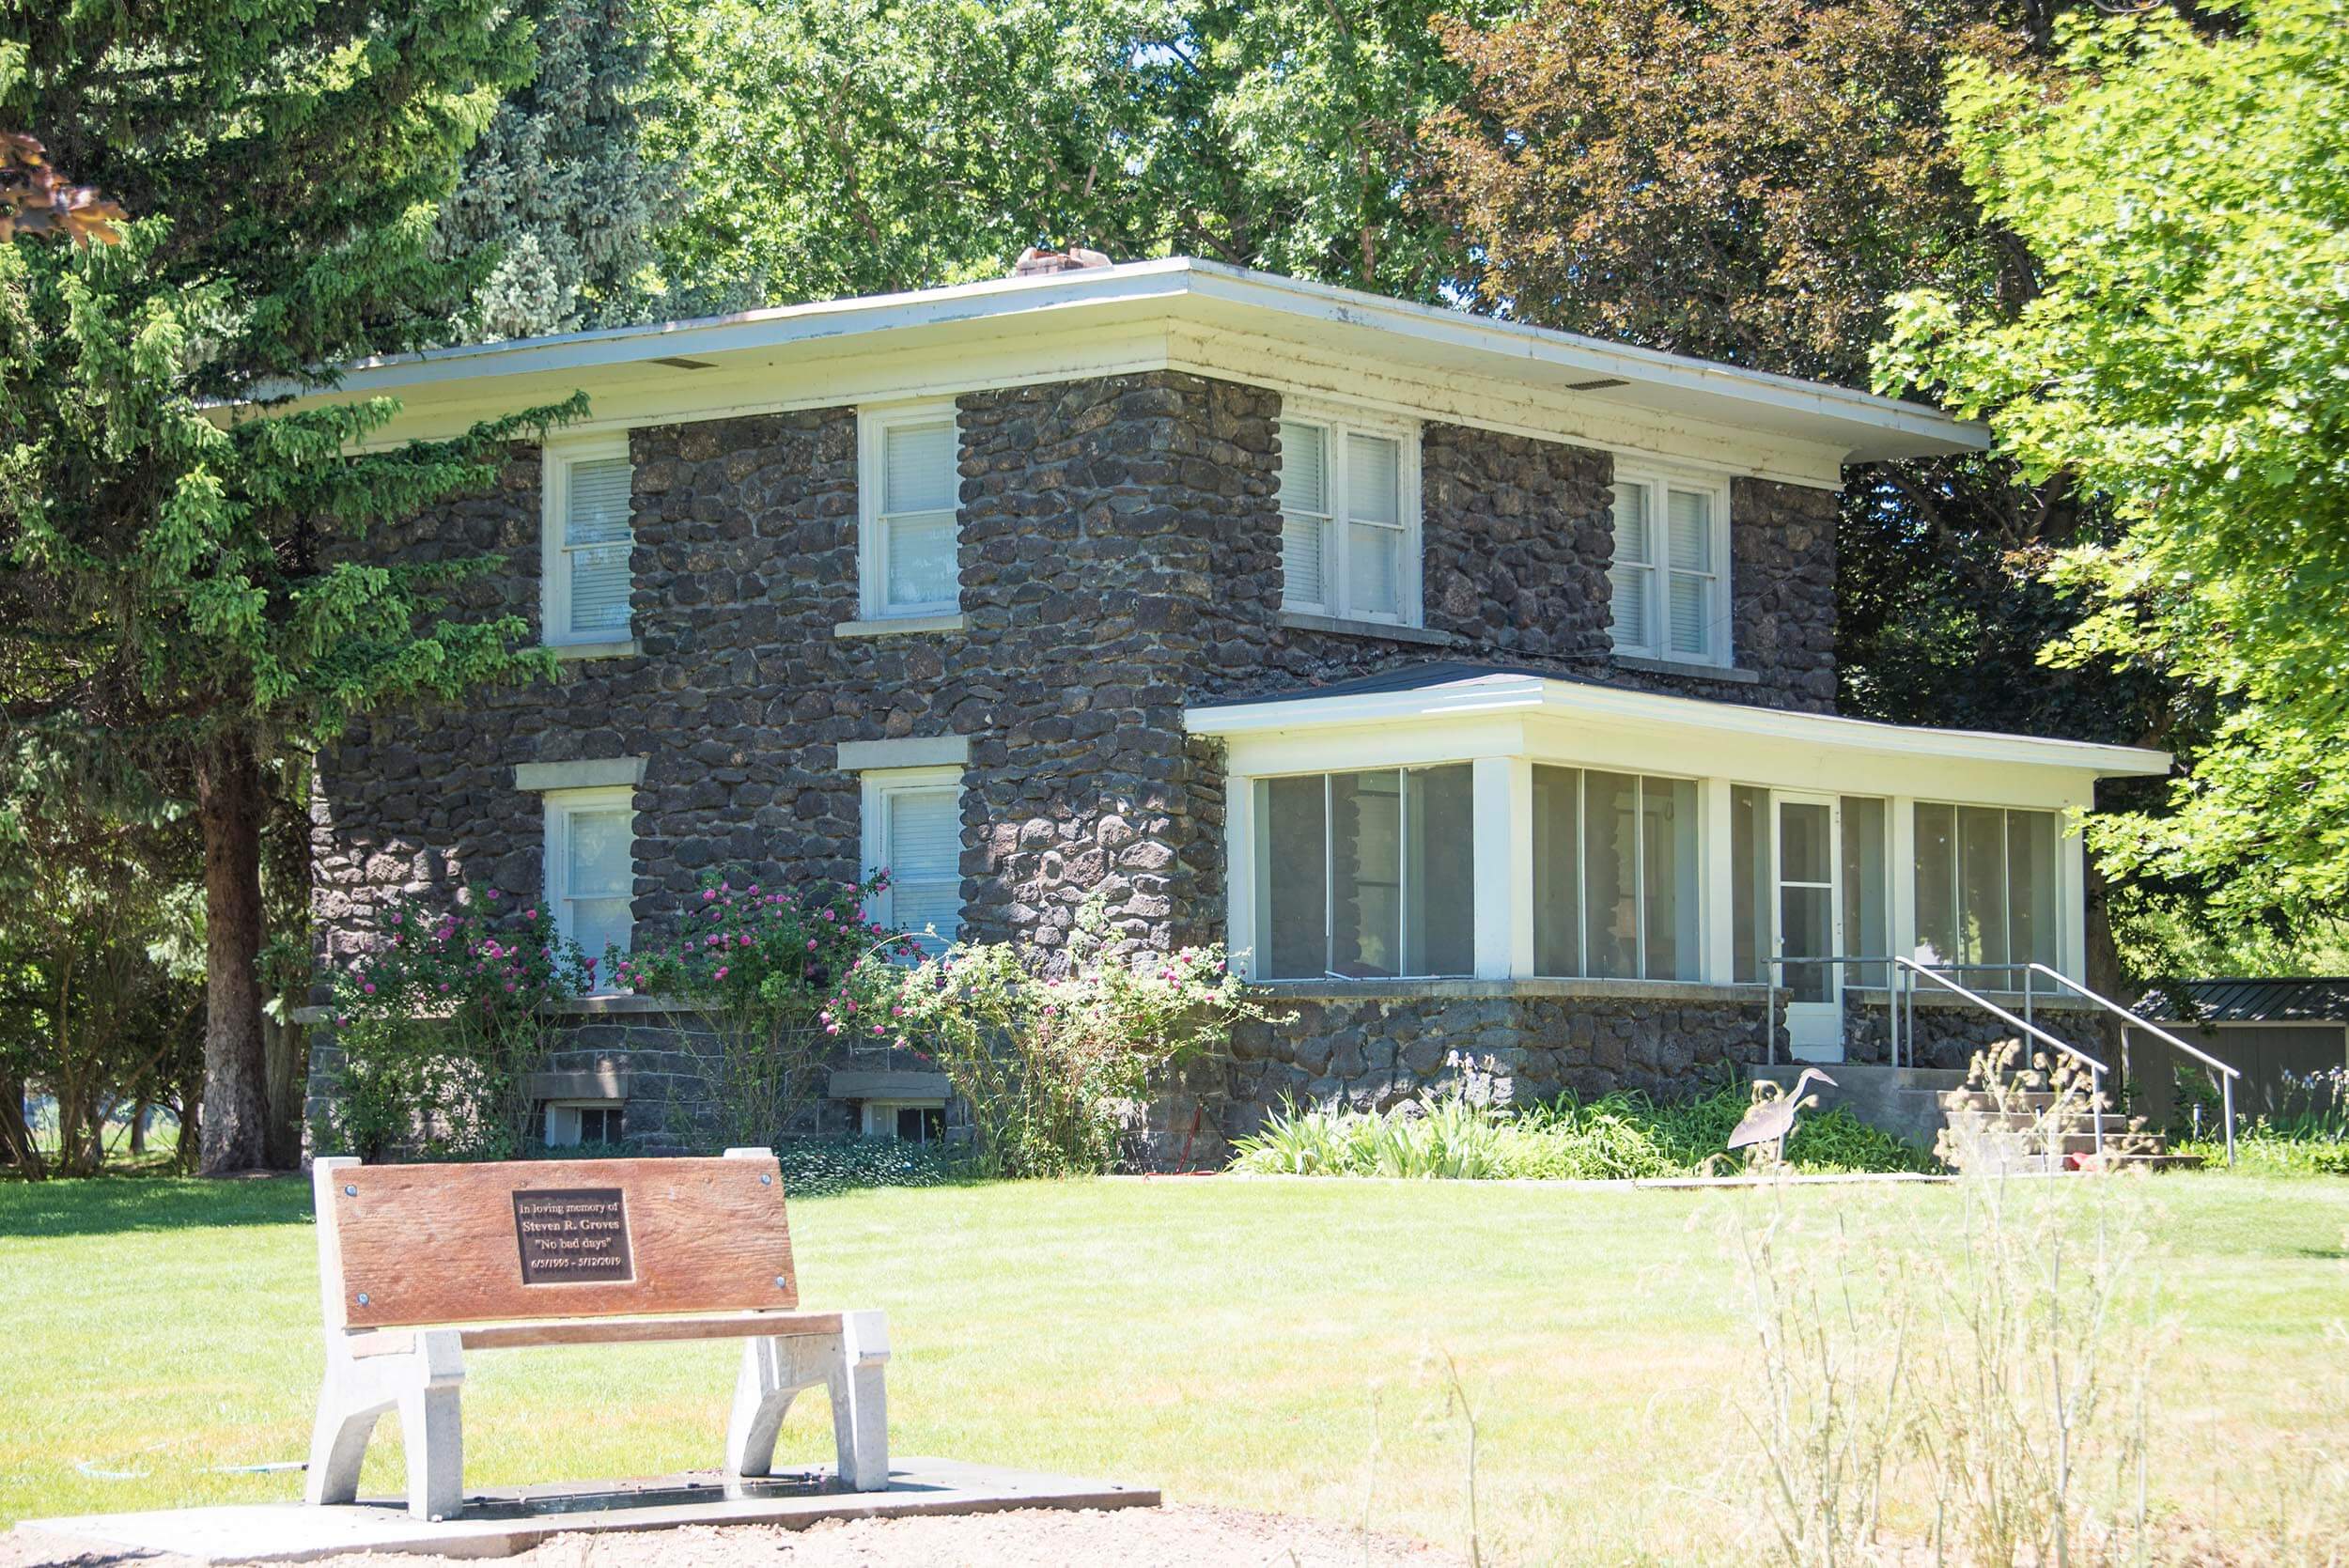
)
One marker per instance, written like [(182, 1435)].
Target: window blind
[(1630, 572), (597, 544), (925, 851), (920, 486), (1304, 513)]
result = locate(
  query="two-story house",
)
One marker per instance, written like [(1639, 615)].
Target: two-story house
[(1476, 682)]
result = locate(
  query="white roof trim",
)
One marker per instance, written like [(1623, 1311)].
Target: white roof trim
[(1523, 695), (1208, 291)]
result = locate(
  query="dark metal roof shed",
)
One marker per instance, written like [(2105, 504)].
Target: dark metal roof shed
[(2315, 1000)]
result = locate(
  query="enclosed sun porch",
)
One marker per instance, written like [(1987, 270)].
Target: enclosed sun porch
[(1454, 831)]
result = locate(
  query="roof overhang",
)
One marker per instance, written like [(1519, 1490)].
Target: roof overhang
[(1571, 721), (1178, 313)]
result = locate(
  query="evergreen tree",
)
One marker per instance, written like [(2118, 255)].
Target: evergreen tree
[(557, 189), (181, 598)]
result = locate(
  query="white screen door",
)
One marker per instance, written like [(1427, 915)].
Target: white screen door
[(1811, 925)]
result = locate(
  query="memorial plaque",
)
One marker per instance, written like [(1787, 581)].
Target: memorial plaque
[(576, 1237)]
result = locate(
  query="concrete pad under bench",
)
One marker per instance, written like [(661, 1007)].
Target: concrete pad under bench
[(499, 1522)]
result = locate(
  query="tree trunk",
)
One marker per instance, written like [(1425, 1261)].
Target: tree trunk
[(230, 803), (286, 1048), (16, 1132), (138, 1127)]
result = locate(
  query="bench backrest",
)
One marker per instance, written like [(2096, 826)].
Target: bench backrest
[(409, 1245)]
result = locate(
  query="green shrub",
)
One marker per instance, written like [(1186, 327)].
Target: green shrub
[(1616, 1136), (812, 1167), (1055, 1055), (441, 1027)]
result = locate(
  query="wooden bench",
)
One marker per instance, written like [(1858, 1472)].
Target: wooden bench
[(418, 1264)]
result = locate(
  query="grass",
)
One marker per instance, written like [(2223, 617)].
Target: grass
[(1268, 1344), (1616, 1136)]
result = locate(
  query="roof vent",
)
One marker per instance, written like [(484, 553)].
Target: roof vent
[(1037, 259)]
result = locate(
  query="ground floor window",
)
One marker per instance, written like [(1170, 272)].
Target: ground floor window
[(906, 1120), (572, 1123), (1616, 876), (591, 867), (1987, 886), (1367, 875), (913, 830)]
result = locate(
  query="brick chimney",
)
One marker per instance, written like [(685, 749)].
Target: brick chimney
[(1037, 259)]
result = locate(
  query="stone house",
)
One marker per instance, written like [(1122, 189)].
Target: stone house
[(1475, 682)]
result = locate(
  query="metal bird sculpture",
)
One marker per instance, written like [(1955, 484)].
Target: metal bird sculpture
[(1769, 1121)]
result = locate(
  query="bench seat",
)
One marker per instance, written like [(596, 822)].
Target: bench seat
[(602, 1330)]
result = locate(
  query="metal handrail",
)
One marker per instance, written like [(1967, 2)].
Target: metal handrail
[(2130, 1019), (2095, 1068)]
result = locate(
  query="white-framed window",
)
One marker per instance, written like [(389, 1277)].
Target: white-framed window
[(913, 830), (591, 869), (1987, 883), (572, 1123), (1367, 875), (907, 1121), (1618, 875), (1669, 576), (1350, 515), (586, 538), (909, 492)]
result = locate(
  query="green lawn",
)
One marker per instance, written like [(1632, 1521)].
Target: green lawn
[(1276, 1345)]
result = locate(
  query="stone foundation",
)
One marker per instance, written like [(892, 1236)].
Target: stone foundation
[(1371, 1047), (1951, 1031)]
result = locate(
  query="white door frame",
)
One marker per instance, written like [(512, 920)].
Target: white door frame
[(1815, 1030)]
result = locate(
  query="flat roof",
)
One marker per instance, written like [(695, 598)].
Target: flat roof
[(1439, 688), (1211, 295)]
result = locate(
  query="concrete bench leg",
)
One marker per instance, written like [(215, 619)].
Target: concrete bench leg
[(425, 1388), (848, 1366)]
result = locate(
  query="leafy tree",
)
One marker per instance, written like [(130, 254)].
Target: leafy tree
[(557, 188), (2187, 197), (178, 575), (864, 146)]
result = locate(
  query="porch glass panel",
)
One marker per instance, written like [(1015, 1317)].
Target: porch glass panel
[(1936, 883), (1611, 806), (1749, 882), (1440, 891), (1293, 878), (1557, 871), (1865, 895), (2035, 928), (1366, 874), (1981, 896), (1668, 872)]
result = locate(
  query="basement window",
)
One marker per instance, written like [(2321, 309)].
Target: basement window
[(572, 1123), (906, 1120)]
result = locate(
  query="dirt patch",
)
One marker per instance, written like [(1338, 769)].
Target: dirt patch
[(1177, 1537)]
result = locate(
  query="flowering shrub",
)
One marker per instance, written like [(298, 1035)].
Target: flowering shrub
[(1056, 1065), (758, 963), (441, 1025)]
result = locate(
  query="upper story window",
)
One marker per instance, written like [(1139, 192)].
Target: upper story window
[(586, 541), (1670, 570), (591, 869), (1349, 517), (909, 488), (913, 830)]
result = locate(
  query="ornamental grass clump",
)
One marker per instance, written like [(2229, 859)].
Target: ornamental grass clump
[(440, 1025), (753, 967), (1056, 1058)]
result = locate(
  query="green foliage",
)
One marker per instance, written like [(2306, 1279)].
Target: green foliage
[(2308, 1135), (813, 1168), (857, 147), (2187, 195), (1615, 1136), (441, 1027), (184, 588), (557, 188), (757, 965), (1055, 1055)]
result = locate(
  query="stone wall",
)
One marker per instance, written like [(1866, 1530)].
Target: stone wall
[(1119, 560), (1371, 1047), (1949, 1032)]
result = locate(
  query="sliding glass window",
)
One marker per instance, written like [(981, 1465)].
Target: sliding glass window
[(1987, 890), (1366, 875), (1615, 875)]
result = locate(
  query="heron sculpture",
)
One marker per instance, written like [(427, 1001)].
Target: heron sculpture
[(1769, 1121)]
